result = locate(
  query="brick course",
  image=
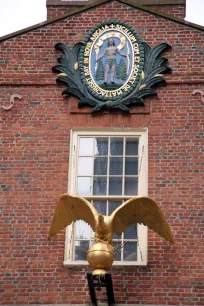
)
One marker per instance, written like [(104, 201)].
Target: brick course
[(173, 10), (57, 10), (177, 10), (35, 158)]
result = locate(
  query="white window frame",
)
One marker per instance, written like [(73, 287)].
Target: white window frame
[(142, 234)]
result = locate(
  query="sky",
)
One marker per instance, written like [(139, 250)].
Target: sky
[(195, 11), (19, 14)]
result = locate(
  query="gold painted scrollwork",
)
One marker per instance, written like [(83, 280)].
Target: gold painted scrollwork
[(110, 35)]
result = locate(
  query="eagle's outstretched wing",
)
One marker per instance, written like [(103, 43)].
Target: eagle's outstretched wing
[(69, 209), (141, 210)]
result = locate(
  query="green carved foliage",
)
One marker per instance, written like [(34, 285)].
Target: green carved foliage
[(154, 67), (69, 74)]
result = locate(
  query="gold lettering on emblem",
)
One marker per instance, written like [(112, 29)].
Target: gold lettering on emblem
[(87, 49), (86, 71), (126, 87)]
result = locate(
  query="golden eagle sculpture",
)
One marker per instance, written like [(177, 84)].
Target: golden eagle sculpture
[(139, 209)]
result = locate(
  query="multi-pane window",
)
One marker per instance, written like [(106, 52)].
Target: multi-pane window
[(107, 168)]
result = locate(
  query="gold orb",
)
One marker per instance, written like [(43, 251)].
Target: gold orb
[(101, 256)]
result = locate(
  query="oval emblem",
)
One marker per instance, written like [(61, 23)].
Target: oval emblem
[(112, 69), (111, 60)]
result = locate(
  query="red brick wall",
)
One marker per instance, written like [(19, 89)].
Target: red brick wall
[(176, 10), (57, 10), (35, 157), (173, 10)]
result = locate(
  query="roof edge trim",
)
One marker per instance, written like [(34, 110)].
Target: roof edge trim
[(137, 2)]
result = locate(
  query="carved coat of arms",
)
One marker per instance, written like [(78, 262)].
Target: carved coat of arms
[(112, 68)]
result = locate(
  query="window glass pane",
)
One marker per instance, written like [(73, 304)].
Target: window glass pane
[(112, 205), (91, 242), (101, 146), (117, 246), (100, 165), (115, 186), (131, 146), (131, 166), (131, 186), (116, 166), (99, 186), (83, 230), (85, 166), (86, 146), (116, 236), (84, 186), (116, 146), (81, 249), (130, 251), (100, 207), (131, 232)]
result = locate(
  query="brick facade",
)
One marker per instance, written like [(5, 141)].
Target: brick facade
[(35, 158), (173, 8), (57, 10)]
